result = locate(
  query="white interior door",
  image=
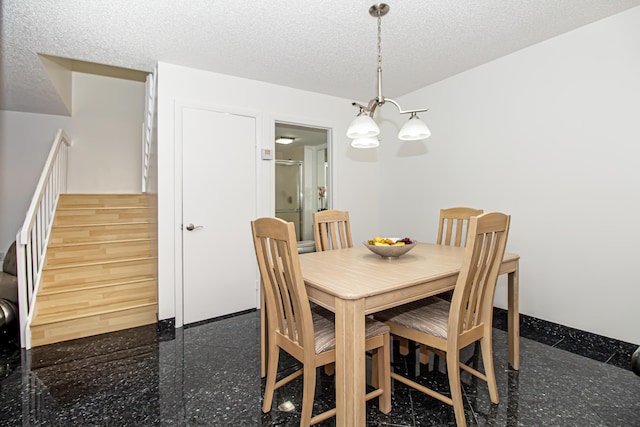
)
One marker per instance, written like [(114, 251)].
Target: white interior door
[(218, 203)]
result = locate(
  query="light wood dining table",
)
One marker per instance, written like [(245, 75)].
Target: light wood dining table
[(355, 282)]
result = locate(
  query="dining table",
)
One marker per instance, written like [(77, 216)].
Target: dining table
[(355, 282)]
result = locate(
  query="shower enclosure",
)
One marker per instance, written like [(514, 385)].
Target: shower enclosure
[(289, 194)]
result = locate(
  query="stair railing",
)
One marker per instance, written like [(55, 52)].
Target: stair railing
[(32, 239), (148, 128)]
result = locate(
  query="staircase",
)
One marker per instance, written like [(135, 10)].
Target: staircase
[(98, 275)]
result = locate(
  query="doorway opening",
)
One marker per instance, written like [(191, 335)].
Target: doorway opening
[(302, 184)]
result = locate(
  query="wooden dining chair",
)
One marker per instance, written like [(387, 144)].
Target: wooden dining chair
[(292, 325), (450, 326), (453, 225), (452, 231), (331, 230)]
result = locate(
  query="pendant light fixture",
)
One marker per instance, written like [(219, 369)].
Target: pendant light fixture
[(363, 129)]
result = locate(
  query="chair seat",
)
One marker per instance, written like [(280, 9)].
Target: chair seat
[(325, 329), (430, 316), (306, 246)]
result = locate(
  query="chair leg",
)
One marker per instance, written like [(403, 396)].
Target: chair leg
[(486, 345), (404, 345), (330, 369), (272, 370), (375, 363), (424, 354), (453, 371), (384, 376), (308, 393), (263, 337)]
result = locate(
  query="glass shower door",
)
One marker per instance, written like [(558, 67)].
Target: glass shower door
[(289, 193)]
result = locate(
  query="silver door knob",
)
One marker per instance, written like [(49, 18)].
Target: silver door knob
[(191, 227)]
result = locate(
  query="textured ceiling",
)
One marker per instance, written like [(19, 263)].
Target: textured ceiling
[(327, 47)]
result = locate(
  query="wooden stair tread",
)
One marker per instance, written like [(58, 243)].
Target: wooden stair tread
[(99, 208), (86, 252), (94, 200), (100, 216), (92, 263), (47, 319), (94, 325), (101, 195), (75, 287), (96, 243), (100, 224), (74, 233)]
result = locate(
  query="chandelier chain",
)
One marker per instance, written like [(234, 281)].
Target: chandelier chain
[(379, 42)]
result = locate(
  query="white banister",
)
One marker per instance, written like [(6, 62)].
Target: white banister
[(32, 238), (148, 127)]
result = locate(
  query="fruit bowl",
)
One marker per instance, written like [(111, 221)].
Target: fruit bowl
[(390, 251)]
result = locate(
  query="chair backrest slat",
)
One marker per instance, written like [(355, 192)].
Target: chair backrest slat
[(453, 225), (332, 230), (278, 254), (472, 301), (269, 281), (287, 304)]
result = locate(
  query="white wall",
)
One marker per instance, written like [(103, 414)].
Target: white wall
[(548, 134), (354, 170), (25, 141), (107, 134), (106, 146)]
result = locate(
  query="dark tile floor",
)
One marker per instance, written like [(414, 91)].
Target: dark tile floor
[(208, 375)]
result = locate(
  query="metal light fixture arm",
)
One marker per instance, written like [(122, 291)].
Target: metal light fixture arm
[(375, 103)]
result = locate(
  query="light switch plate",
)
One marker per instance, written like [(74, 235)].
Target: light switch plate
[(267, 154)]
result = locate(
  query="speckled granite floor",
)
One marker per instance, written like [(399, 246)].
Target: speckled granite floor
[(208, 375)]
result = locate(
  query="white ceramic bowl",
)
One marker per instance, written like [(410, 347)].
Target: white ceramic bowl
[(391, 251)]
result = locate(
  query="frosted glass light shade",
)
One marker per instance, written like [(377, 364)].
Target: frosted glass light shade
[(370, 142), (284, 140), (414, 130), (363, 126)]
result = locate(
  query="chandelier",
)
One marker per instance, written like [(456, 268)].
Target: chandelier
[(363, 130)]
